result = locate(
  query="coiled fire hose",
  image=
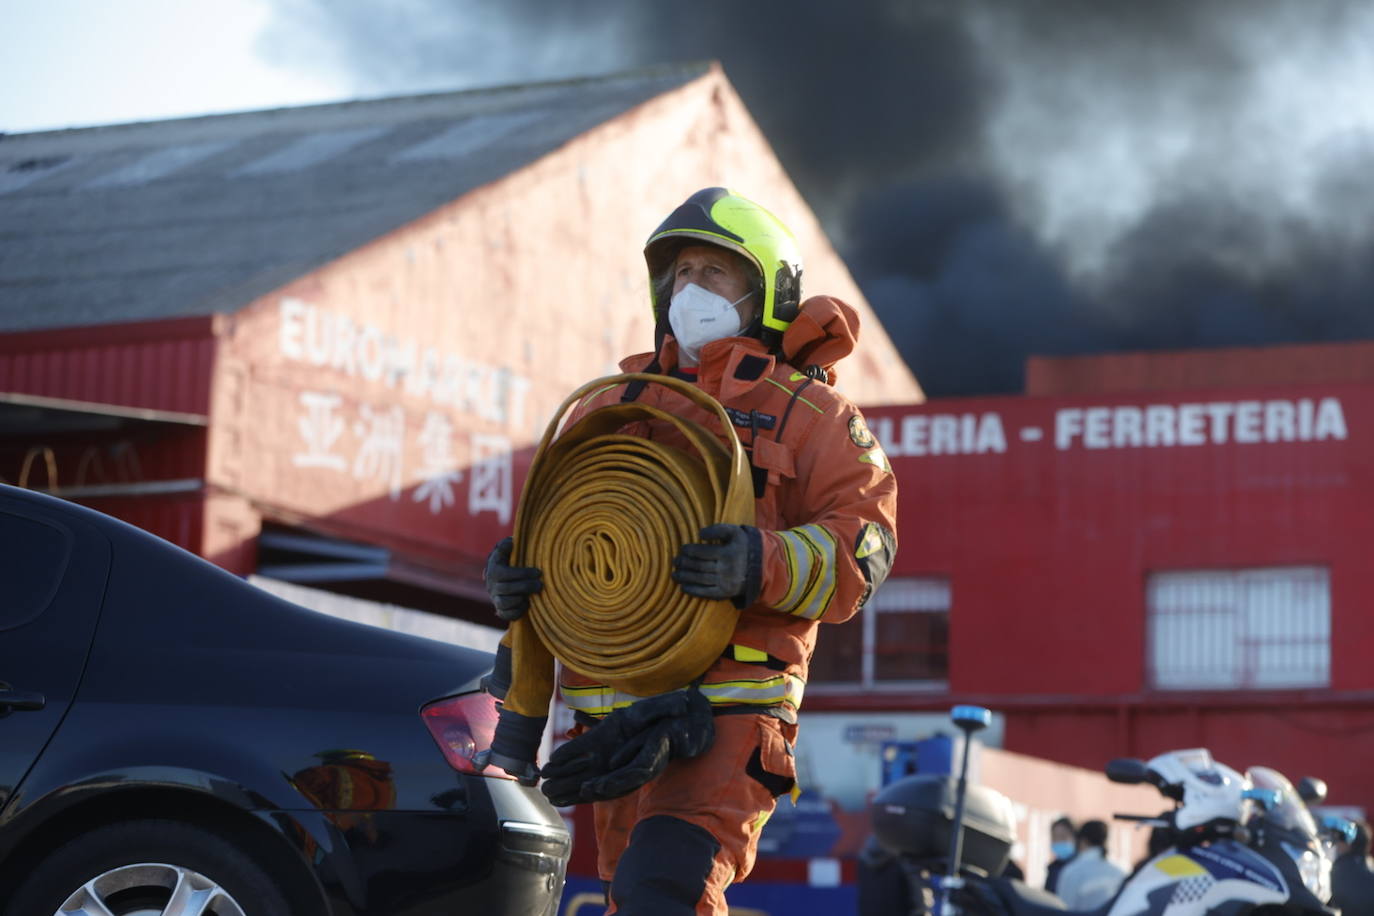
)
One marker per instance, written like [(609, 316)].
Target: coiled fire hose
[(603, 514)]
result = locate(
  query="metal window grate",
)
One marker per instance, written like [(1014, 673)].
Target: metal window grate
[(911, 595), (900, 637), (1240, 629)]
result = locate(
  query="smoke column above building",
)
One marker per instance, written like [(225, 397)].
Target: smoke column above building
[(1003, 179)]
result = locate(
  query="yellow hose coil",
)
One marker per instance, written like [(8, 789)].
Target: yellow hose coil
[(602, 515)]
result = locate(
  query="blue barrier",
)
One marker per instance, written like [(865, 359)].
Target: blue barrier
[(901, 759)]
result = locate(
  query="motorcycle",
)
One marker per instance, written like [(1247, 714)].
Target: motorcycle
[(1210, 866), (1287, 828)]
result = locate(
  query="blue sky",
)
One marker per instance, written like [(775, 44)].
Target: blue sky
[(71, 63)]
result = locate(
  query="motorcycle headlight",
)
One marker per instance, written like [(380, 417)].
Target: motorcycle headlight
[(1315, 869)]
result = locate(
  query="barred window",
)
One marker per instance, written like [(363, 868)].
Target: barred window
[(1240, 629), (900, 637)]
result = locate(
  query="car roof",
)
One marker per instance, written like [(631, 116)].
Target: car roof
[(145, 568)]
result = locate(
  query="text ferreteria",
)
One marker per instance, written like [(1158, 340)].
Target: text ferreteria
[(1243, 422)]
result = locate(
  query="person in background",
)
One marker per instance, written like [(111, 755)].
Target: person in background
[(1090, 881), (1063, 847), (1352, 880)]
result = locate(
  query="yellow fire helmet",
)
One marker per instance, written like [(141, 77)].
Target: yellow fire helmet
[(718, 216)]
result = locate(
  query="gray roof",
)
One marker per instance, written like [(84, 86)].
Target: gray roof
[(165, 219)]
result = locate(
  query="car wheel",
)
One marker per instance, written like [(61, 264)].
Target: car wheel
[(149, 868)]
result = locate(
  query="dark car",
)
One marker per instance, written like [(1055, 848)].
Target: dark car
[(173, 739)]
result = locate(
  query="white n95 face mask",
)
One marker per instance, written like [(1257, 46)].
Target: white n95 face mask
[(699, 316)]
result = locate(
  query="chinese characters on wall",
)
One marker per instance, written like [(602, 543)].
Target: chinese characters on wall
[(370, 446), (378, 443)]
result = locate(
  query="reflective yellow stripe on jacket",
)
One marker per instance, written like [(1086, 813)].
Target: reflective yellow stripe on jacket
[(810, 552), (774, 690)]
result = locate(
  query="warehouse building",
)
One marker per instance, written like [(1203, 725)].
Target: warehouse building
[(320, 343)]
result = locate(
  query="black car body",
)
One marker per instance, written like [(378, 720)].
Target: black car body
[(149, 701)]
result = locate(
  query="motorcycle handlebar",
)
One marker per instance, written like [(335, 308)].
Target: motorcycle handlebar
[(1154, 820)]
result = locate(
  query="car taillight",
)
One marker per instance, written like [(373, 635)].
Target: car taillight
[(462, 726)]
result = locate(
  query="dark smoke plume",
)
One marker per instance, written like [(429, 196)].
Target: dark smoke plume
[(1004, 179)]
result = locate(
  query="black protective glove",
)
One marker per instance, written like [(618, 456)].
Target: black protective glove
[(731, 568), (509, 586), (629, 747), (515, 745)]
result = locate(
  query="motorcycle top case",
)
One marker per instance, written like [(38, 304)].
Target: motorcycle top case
[(912, 817)]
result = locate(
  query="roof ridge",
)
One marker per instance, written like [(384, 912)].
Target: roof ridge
[(684, 69)]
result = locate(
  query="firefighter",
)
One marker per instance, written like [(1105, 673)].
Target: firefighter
[(679, 822)]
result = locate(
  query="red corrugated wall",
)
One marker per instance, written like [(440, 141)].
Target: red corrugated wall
[(155, 365), (141, 453), (1048, 546), (179, 518), (158, 365)]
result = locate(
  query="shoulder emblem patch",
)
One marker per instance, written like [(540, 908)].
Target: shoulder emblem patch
[(859, 433), (878, 458)]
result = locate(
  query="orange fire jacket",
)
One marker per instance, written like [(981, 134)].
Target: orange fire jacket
[(826, 501)]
